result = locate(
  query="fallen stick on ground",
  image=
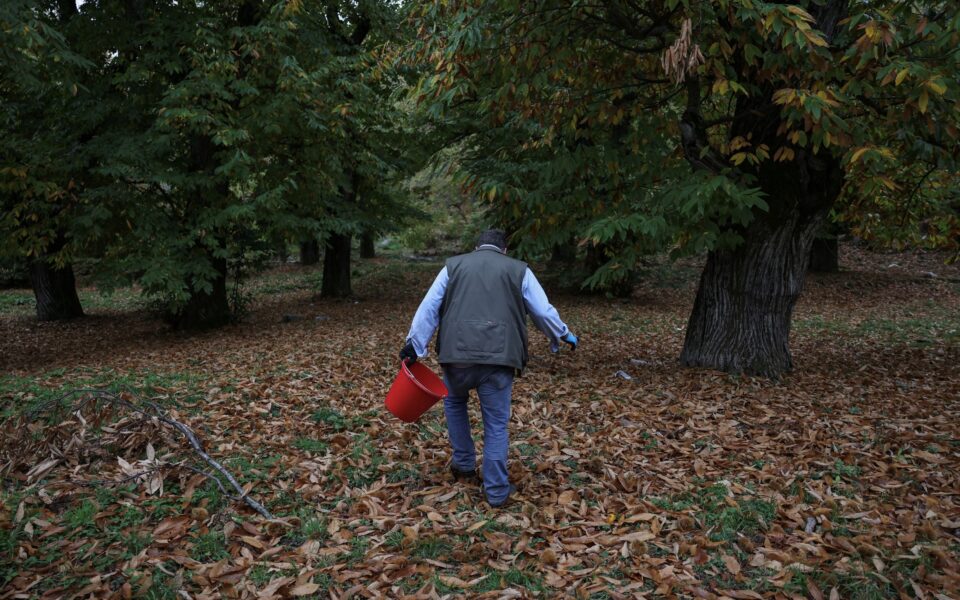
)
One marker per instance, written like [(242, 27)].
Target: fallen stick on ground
[(160, 415)]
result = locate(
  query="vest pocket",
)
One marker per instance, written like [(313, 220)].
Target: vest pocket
[(481, 337)]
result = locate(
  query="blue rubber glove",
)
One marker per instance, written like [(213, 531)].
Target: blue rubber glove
[(571, 339)]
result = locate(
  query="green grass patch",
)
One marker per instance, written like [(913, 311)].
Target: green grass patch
[(260, 575), (526, 449), (256, 470), (432, 548), (403, 474), (163, 586), (21, 302), (209, 547), (336, 420), (860, 586), (81, 517), (209, 496), (310, 445), (748, 518), (20, 395), (134, 542), (394, 540), (358, 550), (314, 528), (514, 578), (841, 470), (928, 324)]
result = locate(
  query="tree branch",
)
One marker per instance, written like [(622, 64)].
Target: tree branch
[(693, 136), (159, 414), (67, 10)]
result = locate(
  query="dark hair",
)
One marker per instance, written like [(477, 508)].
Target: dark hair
[(495, 237)]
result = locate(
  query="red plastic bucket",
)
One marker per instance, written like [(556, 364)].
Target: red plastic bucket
[(415, 389)]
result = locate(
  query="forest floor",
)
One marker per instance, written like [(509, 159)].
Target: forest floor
[(842, 480)]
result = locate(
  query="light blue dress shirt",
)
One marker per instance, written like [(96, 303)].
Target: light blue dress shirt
[(544, 315)]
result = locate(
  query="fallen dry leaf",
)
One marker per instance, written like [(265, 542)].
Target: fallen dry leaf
[(677, 482)]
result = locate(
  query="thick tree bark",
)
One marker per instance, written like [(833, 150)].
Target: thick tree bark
[(336, 267), (55, 290), (206, 308), (741, 317), (367, 249), (309, 252), (824, 255)]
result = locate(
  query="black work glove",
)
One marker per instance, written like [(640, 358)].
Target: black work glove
[(408, 354)]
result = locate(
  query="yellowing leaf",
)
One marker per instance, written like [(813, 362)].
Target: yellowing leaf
[(738, 158), (796, 10), (815, 39), (901, 76), (858, 153), (922, 102), (936, 87), (783, 154), (783, 96)]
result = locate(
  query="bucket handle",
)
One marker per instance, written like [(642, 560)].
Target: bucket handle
[(416, 382)]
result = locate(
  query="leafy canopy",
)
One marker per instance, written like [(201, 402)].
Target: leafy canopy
[(174, 138), (582, 120)]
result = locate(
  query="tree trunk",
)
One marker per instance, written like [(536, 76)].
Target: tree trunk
[(206, 308), (367, 249), (824, 255), (741, 317), (336, 267), (309, 252), (55, 290)]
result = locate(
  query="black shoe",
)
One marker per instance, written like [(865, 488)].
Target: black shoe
[(465, 476), (503, 502)]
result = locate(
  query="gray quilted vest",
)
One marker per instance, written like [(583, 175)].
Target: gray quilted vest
[(483, 319)]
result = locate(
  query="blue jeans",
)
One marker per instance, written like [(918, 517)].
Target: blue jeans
[(494, 385)]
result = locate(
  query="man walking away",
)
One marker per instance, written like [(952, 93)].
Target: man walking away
[(480, 301)]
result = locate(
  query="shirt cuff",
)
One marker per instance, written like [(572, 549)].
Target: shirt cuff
[(420, 349)]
